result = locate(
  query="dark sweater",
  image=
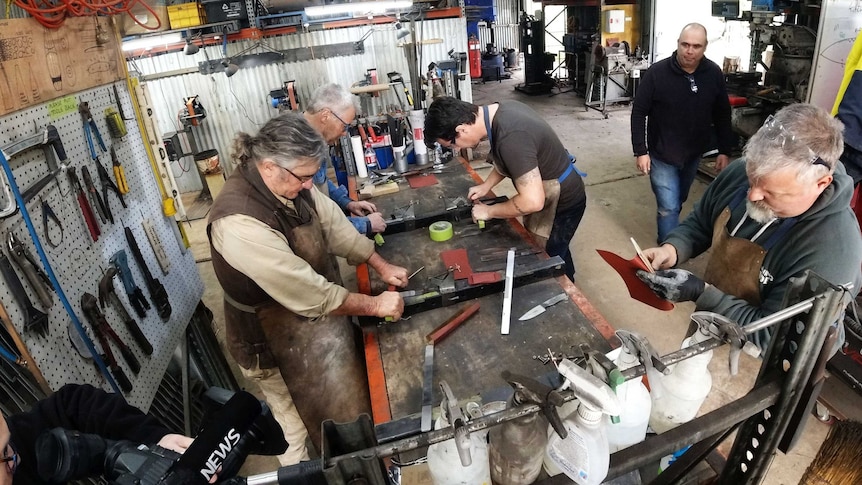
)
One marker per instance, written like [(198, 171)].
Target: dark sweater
[(672, 122), (83, 408), (825, 240)]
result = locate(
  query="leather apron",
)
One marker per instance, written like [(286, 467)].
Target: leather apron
[(735, 263), (539, 224), (320, 361)]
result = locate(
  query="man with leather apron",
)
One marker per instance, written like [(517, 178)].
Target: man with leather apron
[(551, 196), (768, 217), (273, 238)]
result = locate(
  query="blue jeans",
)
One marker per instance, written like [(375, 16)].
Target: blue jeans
[(670, 184), (565, 225)]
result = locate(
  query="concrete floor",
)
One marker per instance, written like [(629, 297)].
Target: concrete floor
[(620, 205)]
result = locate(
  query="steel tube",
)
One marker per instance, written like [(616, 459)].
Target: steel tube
[(695, 349)]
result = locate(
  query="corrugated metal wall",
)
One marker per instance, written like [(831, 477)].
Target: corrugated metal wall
[(240, 103), (506, 34)]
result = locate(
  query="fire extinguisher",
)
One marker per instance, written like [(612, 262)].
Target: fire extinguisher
[(475, 57)]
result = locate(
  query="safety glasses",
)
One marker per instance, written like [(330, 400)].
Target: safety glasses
[(774, 130)]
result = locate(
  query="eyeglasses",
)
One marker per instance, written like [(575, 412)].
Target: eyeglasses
[(774, 130), (693, 84), (10, 458), (302, 180), (346, 124)]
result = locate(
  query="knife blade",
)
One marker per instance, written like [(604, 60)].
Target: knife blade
[(540, 309)]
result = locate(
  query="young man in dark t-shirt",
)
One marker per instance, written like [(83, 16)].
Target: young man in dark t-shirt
[(551, 195)]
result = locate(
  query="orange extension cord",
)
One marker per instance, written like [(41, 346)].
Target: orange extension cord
[(52, 13)]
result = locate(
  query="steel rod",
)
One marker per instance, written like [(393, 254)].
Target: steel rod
[(706, 345)]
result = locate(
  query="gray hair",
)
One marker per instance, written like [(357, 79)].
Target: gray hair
[(799, 136), (287, 139), (331, 96)]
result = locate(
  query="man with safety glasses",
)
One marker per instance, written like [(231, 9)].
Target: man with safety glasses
[(330, 112), (780, 210)]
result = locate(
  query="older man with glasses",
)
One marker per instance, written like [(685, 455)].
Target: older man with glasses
[(82, 408), (768, 217), (681, 105), (274, 238), (330, 112)]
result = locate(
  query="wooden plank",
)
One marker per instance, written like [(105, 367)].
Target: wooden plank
[(40, 64)]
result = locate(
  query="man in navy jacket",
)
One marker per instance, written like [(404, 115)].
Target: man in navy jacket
[(680, 103)]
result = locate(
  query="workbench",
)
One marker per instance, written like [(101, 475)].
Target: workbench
[(472, 357)]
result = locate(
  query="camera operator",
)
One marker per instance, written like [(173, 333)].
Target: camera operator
[(81, 408)]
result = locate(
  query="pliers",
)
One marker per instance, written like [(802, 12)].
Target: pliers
[(119, 174), (94, 195), (48, 213), (90, 128), (135, 295), (108, 184)]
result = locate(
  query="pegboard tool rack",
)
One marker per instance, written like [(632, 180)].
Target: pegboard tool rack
[(79, 262)]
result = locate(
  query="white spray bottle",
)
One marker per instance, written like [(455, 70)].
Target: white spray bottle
[(584, 454)]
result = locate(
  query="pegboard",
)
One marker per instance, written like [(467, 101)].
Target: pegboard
[(79, 262)]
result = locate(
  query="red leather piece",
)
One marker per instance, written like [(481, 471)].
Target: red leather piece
[(457, 258), (637, 288), (424, 180)]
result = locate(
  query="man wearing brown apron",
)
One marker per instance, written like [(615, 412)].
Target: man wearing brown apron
[(273, 238), (551, 196), (780, 210)]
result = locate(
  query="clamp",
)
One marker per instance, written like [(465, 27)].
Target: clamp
[(641, 348), (455, 416), (728, 331), (529, 390), (37, 278)]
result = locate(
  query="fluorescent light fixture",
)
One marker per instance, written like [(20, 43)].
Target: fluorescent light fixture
[(152, 41), (357, 7)]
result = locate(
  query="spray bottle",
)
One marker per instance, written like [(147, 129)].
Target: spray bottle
[(685, 388), (583, 455), (462, 460), (516, 447)]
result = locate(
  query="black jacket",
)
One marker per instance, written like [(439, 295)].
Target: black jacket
[(83, 408), (673, 122)]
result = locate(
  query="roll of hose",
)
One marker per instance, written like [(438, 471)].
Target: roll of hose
[(441, 231)]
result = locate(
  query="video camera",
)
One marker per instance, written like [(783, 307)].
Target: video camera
[(241, 426)]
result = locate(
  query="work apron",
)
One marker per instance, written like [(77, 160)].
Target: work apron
[(319, 361), (539, 224), (735, 263)]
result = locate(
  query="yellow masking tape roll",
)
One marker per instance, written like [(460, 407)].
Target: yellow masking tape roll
[(441, 231)]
